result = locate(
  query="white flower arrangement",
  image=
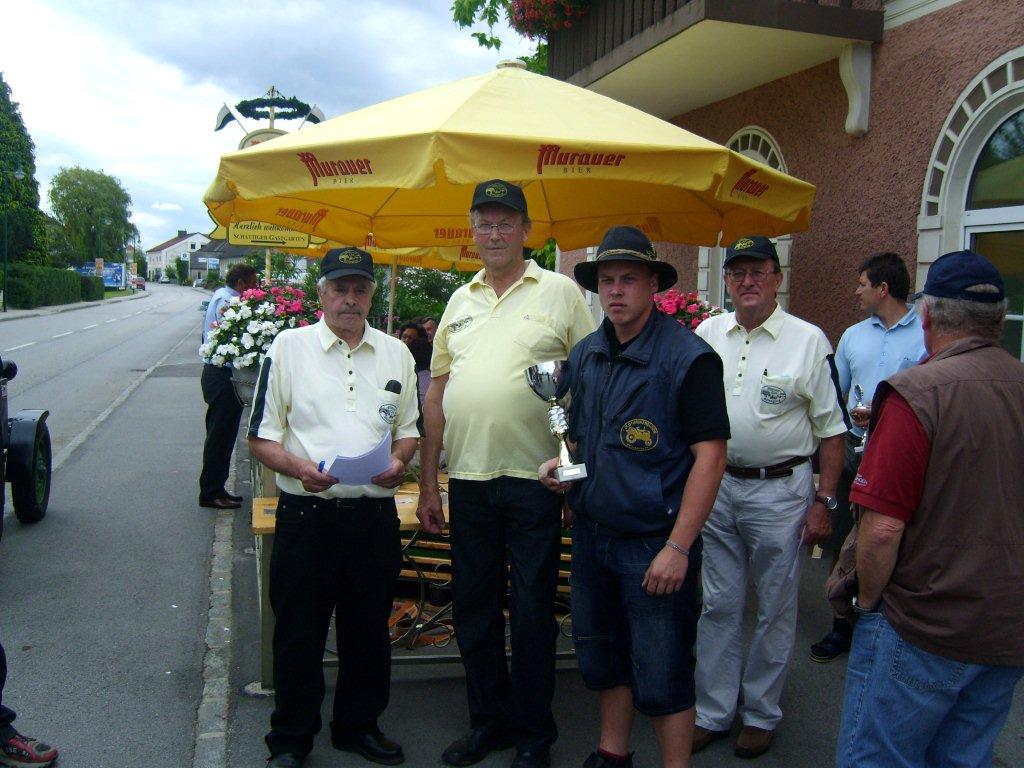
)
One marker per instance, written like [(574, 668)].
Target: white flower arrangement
[(250, 322)]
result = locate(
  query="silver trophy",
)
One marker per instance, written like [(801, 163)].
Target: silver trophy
[(544, 379), (858, 392)]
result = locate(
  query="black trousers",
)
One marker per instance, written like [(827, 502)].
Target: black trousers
[(507, 529), (223, 412), (6, 714), (330, 555)]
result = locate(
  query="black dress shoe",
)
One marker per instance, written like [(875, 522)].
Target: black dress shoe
[(476, 745), (221, 502), (232, 497), (374, 746), (285, 760), (532, 758)]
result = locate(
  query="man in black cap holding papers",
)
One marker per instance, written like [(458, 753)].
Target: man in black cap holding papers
[(648, 420), (939, 642), (505, 525), (338, 387), (783, 400)]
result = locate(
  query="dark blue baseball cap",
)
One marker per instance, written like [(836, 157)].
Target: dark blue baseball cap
[(950, 276), (751, 247)]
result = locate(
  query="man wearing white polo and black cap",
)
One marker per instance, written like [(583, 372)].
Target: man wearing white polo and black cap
[(505, 525), (783, 400), (939, 642), (337, 387)]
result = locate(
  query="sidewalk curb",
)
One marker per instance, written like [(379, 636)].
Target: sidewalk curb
[(23, 313)]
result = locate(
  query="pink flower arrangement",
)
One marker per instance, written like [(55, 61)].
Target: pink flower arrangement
[(538, 18), (251, 321), (687, 308)]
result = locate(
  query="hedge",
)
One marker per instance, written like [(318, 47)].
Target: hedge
[(92, 287), (35, 286)]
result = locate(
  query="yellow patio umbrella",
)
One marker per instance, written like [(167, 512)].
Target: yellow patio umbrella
[(402, 172), (463, 258)]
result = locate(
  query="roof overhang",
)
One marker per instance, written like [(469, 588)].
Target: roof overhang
[(709, 50)]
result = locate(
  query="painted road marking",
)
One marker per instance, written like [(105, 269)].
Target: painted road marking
[(20, 346), (59, 335), (86, 328)]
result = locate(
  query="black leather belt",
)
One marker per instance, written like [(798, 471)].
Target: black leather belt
[(785, 469), (360, 502)]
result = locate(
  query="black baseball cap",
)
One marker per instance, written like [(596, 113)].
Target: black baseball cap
[(751, 247), (502, 192), (343, 262), (625, 244), (950, 276)]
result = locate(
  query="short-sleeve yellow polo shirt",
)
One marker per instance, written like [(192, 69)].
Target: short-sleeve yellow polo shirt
[(494, 424)]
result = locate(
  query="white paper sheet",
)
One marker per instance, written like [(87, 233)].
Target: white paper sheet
[(357, 470)]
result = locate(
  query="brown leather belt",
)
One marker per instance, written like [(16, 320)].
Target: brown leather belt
[(785, 469)]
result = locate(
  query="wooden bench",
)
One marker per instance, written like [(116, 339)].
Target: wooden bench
[(426, 563)]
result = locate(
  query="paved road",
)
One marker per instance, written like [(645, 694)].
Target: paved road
[(104, 605)]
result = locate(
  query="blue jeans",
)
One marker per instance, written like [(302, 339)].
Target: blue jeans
[(906, 707), (623, 635)]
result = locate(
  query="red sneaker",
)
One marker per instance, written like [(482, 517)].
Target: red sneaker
[(22, 752)]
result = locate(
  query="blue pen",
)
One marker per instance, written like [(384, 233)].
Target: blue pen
[(320, 466)]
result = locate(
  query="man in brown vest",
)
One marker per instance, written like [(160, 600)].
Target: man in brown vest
[(939, 643)]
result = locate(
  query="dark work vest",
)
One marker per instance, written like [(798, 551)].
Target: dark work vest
[(625, 419)]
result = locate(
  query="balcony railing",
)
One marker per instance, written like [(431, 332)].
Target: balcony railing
[(610, 24)]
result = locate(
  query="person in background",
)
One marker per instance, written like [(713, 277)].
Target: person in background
[(939, 642), (15, 748), (223, 409), (430, 326), (888, 341), (409, 331)]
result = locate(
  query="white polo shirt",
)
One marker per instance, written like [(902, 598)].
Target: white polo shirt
[(780, 387), (317, 398)]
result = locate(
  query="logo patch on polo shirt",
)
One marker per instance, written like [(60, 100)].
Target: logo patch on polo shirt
[(459, 323), (388, 412), (639, 435), (772, 395)]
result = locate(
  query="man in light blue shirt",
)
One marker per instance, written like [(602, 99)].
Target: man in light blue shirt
[(889, 340), (223, 411)]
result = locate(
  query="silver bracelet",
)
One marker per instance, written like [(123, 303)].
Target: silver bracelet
[(681, 550)]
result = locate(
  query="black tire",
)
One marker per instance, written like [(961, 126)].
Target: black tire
[(31, 496)]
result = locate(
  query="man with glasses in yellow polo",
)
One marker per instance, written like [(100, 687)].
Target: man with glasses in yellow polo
[(505, 525), (781, 391)]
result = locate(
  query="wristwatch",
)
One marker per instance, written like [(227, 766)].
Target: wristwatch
[(830, 502), (861, 610)]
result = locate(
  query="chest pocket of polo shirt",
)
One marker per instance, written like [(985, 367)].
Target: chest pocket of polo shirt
[(387, 408), (775, 394), (538, 334)]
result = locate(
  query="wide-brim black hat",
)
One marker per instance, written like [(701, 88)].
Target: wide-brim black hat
[(625, 244)]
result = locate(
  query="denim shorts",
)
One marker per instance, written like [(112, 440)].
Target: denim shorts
[(624, 636)]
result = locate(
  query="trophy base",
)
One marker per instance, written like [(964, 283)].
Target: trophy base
[(570, 473)]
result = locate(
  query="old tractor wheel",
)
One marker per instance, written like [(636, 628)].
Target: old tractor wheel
[(31, 494)]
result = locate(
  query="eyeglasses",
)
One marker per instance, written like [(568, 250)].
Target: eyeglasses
[(739, 275), (505, 228)]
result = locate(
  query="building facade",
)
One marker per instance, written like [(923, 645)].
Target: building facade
[(160, 258), (908, 116)]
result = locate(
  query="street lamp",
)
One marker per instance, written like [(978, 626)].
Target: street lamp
[(18, 176)]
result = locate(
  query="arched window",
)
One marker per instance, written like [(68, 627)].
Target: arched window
[(757, 144), (973, 195)]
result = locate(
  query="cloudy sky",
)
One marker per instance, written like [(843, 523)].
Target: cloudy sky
[(133, 87)]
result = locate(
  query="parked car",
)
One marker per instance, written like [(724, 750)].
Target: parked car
[(198, 283), (164, 279), (139, 282), (25, 456)]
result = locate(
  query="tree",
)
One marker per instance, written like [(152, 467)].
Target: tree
[(94, 210), (419, 293), (466, 13), (181, 271), (26, 228), (282, 266)]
